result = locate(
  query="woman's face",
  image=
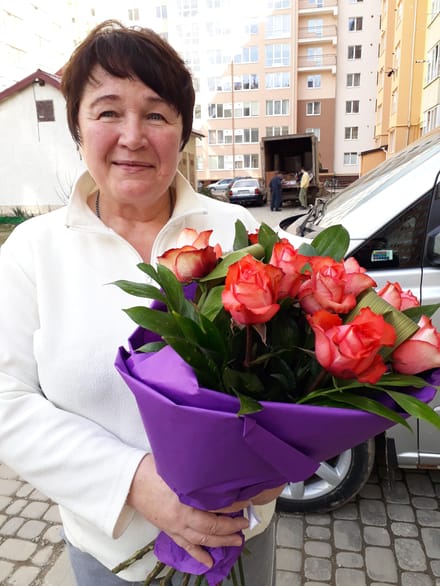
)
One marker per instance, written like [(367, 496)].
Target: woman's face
[(130, 139)]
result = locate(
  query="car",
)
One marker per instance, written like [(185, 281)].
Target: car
[(247, 191), (220, 187), (393, 217)]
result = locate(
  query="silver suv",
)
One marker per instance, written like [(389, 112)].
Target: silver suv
[(393, 210)]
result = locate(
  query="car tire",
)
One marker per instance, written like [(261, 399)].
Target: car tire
[(336, 481)]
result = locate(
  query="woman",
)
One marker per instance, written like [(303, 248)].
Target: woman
[(68, 423)]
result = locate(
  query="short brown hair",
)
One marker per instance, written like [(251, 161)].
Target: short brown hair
[(126, 53)]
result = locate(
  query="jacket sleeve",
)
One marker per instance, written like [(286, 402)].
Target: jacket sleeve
[(69, 458)]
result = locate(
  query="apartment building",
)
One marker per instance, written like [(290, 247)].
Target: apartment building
[(404, 69), (35, 34)]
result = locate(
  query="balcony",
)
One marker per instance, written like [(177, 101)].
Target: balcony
[(317, 63), (322, 34), (318, 7)]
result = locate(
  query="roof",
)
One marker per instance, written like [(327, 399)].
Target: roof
[(39, 76)]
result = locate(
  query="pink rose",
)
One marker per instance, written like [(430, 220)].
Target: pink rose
[(251, 291), (393, 294), (287, 258), (193, 258), (333, 285), (420, 352), (352, 350)]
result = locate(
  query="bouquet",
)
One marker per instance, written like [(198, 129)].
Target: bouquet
[(259, 350)]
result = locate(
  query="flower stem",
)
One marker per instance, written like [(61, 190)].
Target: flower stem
[(154, 573), (248, 351), (167, 580), (139, 554)]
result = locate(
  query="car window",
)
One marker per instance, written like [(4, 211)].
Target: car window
[(244, 183), (399, 244)]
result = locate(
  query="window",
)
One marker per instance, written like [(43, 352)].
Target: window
[(197, 111), (351, 132), (277, 55), (355, 23), (277, 107), (186, 7), (315, 131), (403, 240), (354, 52), (431, 119), (355, 1), (433, 70), (435, 8), (228, 163), (278, 4), (277, 130), (247, 55), (315, 27), (350, 158), (313, 108), (314, 55), (241, 136), (353, 79), (352, 107), (313, 81), (278, 79), (45, 111), (161, 11), (278, 26), (133, 14)]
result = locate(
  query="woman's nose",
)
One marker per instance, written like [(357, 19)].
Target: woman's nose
[(133, 133)]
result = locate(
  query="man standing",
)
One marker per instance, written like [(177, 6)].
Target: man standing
[(304, 185), (275, 192)]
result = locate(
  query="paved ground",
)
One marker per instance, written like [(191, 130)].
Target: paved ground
[(383, 537)]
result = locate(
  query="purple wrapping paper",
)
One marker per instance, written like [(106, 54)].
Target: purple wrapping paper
[(211, 457)]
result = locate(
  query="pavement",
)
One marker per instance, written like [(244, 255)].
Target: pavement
[(385, 536), (388, 535)]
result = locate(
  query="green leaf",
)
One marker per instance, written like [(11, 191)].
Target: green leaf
[(241, 239), (369, 405), (160, 322), (248, 405), (332, 241), (151, 347), (140, 290), (205, 368), (267, 237), (415, 407), (415, 313), (403, 325), (173, 289), (212, 304), (149, 270), (220, 271)]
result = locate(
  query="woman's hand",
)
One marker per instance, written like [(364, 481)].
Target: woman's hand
[(190, 528)]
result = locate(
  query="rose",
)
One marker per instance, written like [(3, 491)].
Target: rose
[(193, 258), (253, 237), (352, 350), (397, 297), (333, 285), (251, 291), (420, 352), (287, 258)]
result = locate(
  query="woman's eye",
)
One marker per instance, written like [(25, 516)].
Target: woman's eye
[(155, 116), (107, 114)]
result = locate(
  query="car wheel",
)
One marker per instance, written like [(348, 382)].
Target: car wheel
[(334, 483)]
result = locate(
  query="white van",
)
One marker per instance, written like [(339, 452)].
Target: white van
[(393, 217)]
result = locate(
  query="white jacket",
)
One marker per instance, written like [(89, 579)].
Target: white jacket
[(68, 423)]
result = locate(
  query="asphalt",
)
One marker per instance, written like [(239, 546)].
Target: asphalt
[(384, 536), (387, 535)]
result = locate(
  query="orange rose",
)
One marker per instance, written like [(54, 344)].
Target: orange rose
[(333, 285), (194, 258), (287, 258), (251, 291), (420, 352), (352, 350), (393, 294)]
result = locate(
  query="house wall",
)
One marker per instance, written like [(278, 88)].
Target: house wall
[(39, 160)]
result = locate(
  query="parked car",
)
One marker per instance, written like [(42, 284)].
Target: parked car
[(393, 217), (220, 187), (247, 191)]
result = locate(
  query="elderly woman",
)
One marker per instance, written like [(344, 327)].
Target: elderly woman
[(68, 423)]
